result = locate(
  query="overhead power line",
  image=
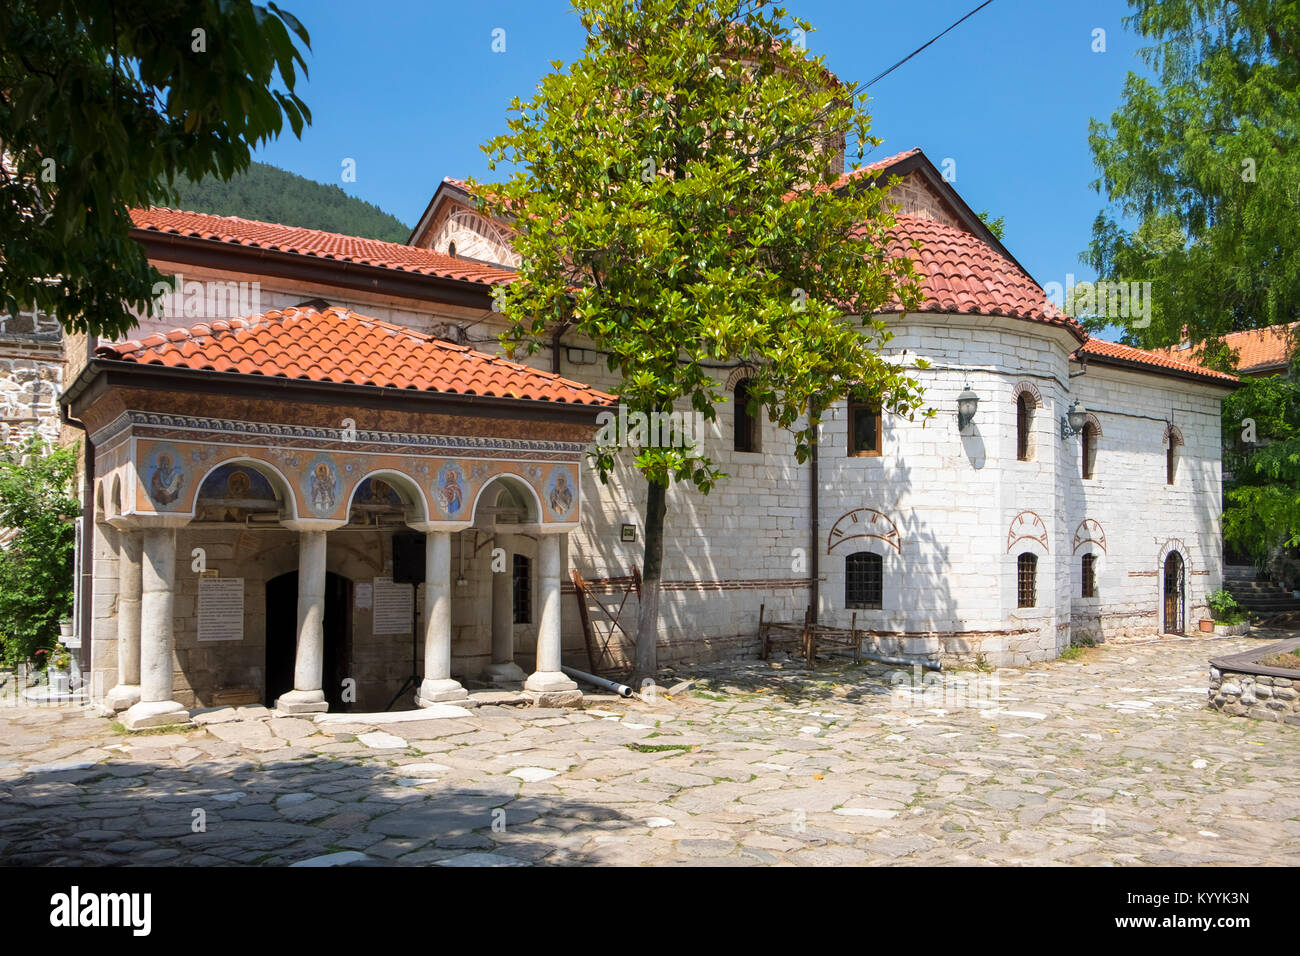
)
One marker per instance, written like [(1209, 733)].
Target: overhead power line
[(954, 26)]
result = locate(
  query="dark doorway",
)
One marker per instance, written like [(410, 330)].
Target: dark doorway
[(1174, 593), (282, 636)]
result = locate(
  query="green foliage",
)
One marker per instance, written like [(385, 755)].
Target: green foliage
[(659, 194), (269, 194), (37, 501), (1203, 157), (1224, 608), (996, 226), (1262, 497), (102, 105)]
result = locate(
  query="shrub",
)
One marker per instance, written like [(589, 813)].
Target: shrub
[(1224, 608), (37, 503)]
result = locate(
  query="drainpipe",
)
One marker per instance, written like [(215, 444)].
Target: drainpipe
[(85, 570), (814, 564)]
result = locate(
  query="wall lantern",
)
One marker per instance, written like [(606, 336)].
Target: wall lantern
[(967, 403), (1073, 423)]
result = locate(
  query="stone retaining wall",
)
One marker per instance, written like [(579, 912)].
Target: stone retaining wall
[(1254, 695)]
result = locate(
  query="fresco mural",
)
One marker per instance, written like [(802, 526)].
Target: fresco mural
[(231, 492), (450, 491), (321, 483), (561, 494), (164, 477), (320, 486)]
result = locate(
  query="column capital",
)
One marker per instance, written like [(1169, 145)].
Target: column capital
[(449, 527), (312, 524)]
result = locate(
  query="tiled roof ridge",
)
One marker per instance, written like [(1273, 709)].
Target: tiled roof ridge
[(178, 346), (1107, 349)]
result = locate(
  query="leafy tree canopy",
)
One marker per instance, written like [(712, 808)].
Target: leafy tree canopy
[(1201, 157), (102, 105), (669, 194)]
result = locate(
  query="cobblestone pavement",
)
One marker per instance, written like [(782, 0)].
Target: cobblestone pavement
[(1112, 758)]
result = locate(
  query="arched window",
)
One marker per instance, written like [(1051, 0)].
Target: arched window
[(1024, 423), (1089, 449), (1089, 576), (523, 591), (451, 249), (1027, 580), (864, 584), (746, 425)]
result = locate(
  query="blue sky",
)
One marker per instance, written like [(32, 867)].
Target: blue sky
[(411, 88)]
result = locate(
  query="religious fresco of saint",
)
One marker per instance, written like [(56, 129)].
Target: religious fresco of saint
[(320, 486), (560, 492), (450, 491), (164, 477)]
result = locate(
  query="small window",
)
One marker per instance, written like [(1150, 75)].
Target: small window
[(864, 430), (523, 592), (451, 249), (864, 584), (1171, 462), (1024, 423), (1089, 449), (1089, 576), (746, 424), (1027, 580)]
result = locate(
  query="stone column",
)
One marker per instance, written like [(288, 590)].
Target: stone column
[(548, 683), (158, 576), (127, 690), (437, 684), (503, 669), (308, 695)]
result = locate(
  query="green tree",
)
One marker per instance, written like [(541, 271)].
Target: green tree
[(1201, 159), (102, 105), (669, 193), (38, 503), (1261, 450)]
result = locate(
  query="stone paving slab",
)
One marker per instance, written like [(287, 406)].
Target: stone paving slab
[(1112, 758)]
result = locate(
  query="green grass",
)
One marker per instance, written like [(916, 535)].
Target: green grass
[(120, 728), (1071, 653), (656, 748)]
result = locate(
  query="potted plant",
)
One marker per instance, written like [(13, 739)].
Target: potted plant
[(1229, 616), (59, 669)]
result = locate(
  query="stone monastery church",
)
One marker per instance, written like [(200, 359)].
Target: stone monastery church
[(260, 483)]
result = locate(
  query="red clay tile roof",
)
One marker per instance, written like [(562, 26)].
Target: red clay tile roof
[(963, 275), (1258, 350), (314, 242), (1156, 360), (336, 345), (866, 169)]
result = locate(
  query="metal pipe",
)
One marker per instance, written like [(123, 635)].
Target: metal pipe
[(621, 689)]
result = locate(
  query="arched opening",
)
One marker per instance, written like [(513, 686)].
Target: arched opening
[(864, 580), (745, 433), (1174, 440), (1024, 426), (242, 491), (1088, 449), (115, 499), (282, 638), (1027, 580), (386, 498), (1174, 594), (505, 500), (100, 515)]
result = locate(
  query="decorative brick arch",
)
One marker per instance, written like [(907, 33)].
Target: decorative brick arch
[(1030, 389), (1089, 530), (1172, 435), (1096, 425), (863, 523), (1171, 545), (738, 375), (1027, 526)]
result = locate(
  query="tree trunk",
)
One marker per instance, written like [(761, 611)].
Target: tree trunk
[(647, 616)]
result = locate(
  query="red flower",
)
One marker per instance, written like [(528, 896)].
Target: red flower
[(41, 650)]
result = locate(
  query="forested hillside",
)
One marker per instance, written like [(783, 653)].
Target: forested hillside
[(275, 195)]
